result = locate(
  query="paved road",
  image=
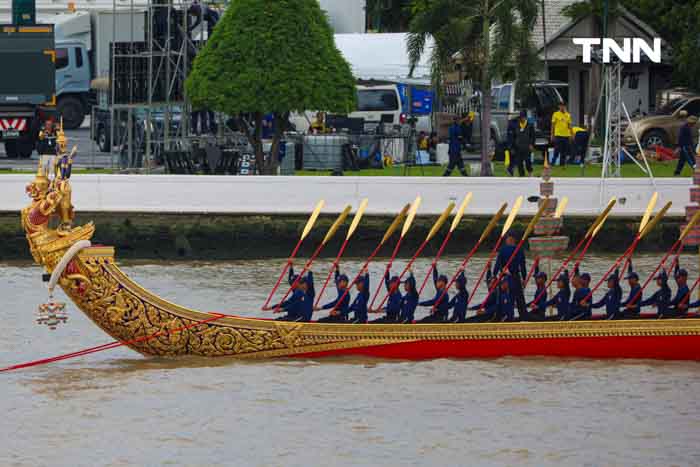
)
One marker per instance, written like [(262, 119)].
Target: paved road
[(88, 154)]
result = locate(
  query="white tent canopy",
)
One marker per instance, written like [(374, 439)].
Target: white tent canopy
[(381, 56)]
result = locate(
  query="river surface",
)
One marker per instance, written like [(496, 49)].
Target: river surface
[(118, 408)]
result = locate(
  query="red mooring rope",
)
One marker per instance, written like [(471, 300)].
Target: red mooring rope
[(111, 345)]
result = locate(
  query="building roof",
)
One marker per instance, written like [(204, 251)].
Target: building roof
[(555, 20)]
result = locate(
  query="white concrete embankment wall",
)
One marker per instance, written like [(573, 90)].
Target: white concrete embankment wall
[(285, 195)]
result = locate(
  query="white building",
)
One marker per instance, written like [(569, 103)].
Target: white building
[(346, 16)]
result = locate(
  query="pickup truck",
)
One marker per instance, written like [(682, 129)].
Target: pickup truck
[(27, 85)]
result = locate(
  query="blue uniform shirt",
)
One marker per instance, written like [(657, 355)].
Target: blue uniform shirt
[(459, 305), (561, 301), (680, 296), (633, 293), (408, 307), (293, 305), (517, 266), (575, 308), (685, 137), (542, 302), (359, 306), (660, 299), (393, 304), (455, 135), (611, 302), (506, 305)]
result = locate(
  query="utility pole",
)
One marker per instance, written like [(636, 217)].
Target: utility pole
[(544, 41), (605, 96), (23, 12)]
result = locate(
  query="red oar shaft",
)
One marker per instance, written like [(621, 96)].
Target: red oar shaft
[(284, 272), (486, 268), (566, 262), (532, 271), (583, 252), (336, 261), (388, 268), (619, 260), (434, 263), (301, 273)]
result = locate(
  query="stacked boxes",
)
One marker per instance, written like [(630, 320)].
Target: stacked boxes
[(548, 243)]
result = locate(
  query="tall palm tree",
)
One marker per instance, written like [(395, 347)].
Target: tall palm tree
[(494, 37)]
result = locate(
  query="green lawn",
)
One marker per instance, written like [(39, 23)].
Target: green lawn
[(659, 169)]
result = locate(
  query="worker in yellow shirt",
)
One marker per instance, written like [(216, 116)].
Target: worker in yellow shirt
[(561, 135)]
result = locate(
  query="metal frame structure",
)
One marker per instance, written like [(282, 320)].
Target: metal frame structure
[(149, 122)]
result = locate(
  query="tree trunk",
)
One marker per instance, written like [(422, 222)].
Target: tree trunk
[(280, 122), (257, 143), (486, 94)]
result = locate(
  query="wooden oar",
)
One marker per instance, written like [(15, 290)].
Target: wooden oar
[(455, 223), (353, 226), (642, 225), (406, 227), (484, 235), (387, 235), (518, 247), (535, 263), (331, 232), (678, 244), (561, 207), (309, 225), (649, 225), (506, 227)]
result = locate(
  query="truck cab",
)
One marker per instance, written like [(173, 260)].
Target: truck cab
[(73, 76)]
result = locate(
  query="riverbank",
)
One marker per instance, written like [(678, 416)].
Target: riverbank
[(220, 236)]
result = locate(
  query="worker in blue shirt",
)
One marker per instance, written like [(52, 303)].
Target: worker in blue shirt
[(393, 303), (517, 270), (538, 305), (612, 298), (458, 304), (630, 307), (678, 306), (686, 146), (505, 305), (299, 306), (340, 309), (661, 298), (440, 302), (409, 301), (561, 298), (359, 306), (580, 308), (455, 149)]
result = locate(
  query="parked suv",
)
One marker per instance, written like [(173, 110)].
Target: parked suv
[(540, 101), (661, 128)]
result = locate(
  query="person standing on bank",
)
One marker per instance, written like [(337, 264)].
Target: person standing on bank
[(561, 134), (686, 147), (455, 149), (521, 140)]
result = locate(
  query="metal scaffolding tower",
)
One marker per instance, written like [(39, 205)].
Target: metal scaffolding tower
[(149, 114), (617, 121)]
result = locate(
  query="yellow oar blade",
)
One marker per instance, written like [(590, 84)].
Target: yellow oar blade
[(396, 223), (493, 223), (513, 213), (601, 217), (312, 220), (356, 220), (441, 221), (561, 207), (534, 221), (657, 218), (690, 225), (599, 226), (460, 211), (336, 225), (411, 216), (647, 213)]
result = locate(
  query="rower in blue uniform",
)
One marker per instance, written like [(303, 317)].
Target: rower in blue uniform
[(458, 304), (440, 302), (505, 303), (359, 306), (517, 270), (339, 309), (678, 306), (409, 301), (630, 307), (299, 306), (578, 308), (393, 304), (662, 297), (612, 298), (562, 297), (486, 311), (538, 305)]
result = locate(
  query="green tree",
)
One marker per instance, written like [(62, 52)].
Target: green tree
[(388, 15), (494, 37), (271, 57)]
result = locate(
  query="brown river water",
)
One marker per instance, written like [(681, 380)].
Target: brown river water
[(117, 408)]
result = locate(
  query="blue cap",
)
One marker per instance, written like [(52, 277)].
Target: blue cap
[(632, 275), (461, 279), (564, 276), (394, 279), (443, 278), (661, 275), (585, 276), (411, 281), (342, 278), (541, 275), (681, 272)]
